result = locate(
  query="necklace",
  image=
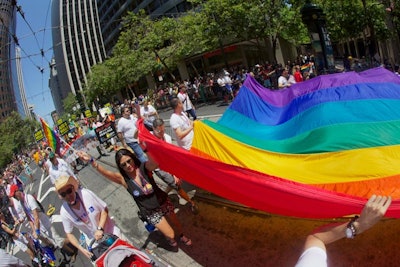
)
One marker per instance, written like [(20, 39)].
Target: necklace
[(83, 217), (143, 184)]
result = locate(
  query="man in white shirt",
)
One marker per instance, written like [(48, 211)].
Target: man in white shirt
[(57, 167), (181, 124), (16, 210), (39, 222), (188, 107), (283, 79), (127, 133), (171, 180), (149, 114)]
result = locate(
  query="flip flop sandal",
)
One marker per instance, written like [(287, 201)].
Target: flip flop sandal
[(186, 240), (173, 243)]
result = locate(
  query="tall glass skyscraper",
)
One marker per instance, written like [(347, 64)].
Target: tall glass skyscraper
[(77, 45), (10, 97)]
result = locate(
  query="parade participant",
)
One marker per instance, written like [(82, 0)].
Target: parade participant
[(188, 107), (171, 180), (19, 240), (314, 252), (153, 203), (149, 114), (16, 210), (127, 133), (58, 166), (181, 124), (83, 210), (39, 222), (47, 163)]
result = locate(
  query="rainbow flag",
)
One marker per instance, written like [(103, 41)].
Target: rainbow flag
[(52, 137), (318, 149), (305, 66)]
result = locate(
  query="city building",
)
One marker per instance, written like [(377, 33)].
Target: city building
[(10, 97), (22, 104), (77, 46), (111, 13), (84, 33)]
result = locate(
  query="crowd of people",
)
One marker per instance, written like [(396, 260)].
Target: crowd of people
[(135, 170), (82, 208)]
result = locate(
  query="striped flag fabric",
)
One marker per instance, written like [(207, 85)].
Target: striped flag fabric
[(318, 149), (52, 137)]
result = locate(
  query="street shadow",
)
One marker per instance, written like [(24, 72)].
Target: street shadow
[(159, 240)]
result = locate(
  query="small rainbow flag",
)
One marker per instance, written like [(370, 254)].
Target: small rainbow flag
[(51, 136)]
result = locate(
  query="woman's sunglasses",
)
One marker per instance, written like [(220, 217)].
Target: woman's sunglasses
[(67, 192), (129, 161)]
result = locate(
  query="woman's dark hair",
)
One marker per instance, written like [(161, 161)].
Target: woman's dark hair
[(125, 152)]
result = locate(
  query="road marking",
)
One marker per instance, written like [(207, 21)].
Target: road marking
[(51, 189), (41, 185), (56, 218)]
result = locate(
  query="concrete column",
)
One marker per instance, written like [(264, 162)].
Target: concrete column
[(150, 81), (183, 72)]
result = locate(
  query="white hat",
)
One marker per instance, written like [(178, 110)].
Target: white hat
[(63, 180)]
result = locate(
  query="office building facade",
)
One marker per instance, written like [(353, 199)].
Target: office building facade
[(111, 13), (10, 98), (84, 33), (77, 46), (22, 104)]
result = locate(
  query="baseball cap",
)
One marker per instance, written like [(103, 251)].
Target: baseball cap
[(13, 189)]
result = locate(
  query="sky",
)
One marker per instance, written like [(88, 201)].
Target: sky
[(34, 36)]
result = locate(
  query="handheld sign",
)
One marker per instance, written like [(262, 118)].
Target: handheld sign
[(106, 132)]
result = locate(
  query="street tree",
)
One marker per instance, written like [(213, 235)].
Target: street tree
[(15, 134), (70, 103), (255, 21)]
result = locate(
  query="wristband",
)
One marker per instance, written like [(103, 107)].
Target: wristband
[(37, 231), (351, 230), (100, 228), (91, 160)]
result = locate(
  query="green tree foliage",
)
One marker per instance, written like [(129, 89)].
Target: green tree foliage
[(69, 103), (146, 46), (348, 19), (15, 134)]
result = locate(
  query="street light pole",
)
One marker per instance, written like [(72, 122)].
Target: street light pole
[(314, 18)]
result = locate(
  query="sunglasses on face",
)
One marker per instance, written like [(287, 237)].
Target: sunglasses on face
[(67, 192), (129, 161)]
